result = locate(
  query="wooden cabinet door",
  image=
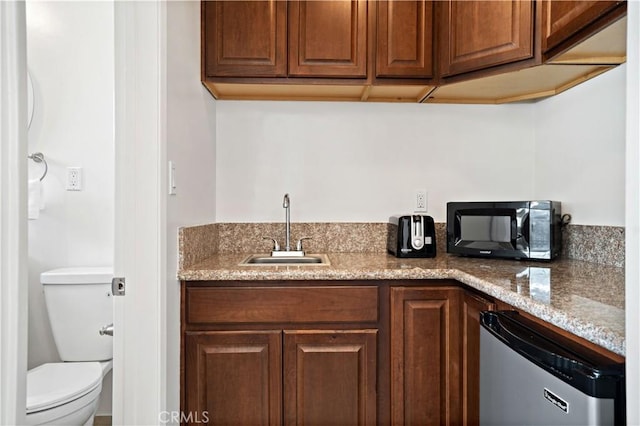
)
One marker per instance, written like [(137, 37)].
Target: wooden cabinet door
[(425, 355), (561, 19), (244, 38), (234, 377), (471, 308), (484, 33), (405, 39), (330, 377), (328, 38)]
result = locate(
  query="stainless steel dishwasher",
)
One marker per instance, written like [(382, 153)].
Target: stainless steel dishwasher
[(529, 378)]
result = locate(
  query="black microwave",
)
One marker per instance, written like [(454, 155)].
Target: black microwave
[(505, 229)]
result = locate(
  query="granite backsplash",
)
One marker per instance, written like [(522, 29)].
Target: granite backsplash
[(597, 244)]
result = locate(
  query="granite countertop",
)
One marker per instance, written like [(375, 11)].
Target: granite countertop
[(586, 299)]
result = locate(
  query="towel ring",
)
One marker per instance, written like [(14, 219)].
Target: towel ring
[(38, 157)]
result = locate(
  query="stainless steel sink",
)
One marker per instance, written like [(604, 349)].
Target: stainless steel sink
[(265, 259)]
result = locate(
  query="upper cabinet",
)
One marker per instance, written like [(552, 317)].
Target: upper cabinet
[(563, 19), (454, 51), (480, 34), (244, 39), (404, 43), (328, 38), (500, 70), (275, 38)]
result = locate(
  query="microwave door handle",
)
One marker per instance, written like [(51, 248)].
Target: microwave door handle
[(525, 228)]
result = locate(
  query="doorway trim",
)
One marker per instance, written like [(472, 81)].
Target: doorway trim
[(140, 355), (13, 213)]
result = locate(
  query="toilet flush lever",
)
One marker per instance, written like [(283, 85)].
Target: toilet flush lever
[(107, 330), (117, 286)]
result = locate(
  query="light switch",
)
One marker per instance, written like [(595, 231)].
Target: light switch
[(172, 178)]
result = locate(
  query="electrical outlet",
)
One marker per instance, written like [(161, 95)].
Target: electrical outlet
[(420, 201), (74, 178)]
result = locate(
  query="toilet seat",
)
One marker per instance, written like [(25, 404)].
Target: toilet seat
[(55, 384)]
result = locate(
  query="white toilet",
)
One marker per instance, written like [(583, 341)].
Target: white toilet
[(80, 304)]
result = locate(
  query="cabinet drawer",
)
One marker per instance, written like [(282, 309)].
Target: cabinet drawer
[(334, 304)]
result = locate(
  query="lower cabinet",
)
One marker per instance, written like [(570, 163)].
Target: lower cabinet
[(386, 352), (330, 377), (425, 355), (271, 377), (234, 377)]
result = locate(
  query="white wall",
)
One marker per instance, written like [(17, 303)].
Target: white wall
[(362, 162), (70, 56), (580, 150), (191, 146)]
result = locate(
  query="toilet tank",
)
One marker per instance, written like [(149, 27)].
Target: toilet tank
[(80, 303)]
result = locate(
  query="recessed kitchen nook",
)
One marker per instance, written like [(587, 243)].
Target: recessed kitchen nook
[(387, 332)]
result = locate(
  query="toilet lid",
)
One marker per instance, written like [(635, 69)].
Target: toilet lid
[(51, 385)]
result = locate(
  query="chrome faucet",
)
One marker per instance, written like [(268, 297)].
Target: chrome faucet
[(287, 230), (287, 249)]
